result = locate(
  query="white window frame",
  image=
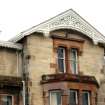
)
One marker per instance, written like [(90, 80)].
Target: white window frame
[(76, 93), (8, 95), (88, 96), (53, 91), (76, 61), (64, 63)]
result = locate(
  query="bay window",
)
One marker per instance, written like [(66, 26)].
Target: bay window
[(66, 86), (73, 97)]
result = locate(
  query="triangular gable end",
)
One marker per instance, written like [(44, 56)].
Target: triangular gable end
[(66, 20)]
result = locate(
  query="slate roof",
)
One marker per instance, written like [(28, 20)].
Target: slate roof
[(12, 45)]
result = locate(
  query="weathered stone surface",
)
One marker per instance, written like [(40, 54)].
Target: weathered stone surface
[(10, 62), (41, 54), (40, 50), (40, 59)]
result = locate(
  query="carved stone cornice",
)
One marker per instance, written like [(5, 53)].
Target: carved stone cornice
[(51, 78), (66, 20)]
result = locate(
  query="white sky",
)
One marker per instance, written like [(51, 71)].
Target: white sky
[(19, 15)]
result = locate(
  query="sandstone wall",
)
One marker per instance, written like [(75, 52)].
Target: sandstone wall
[(10, 62), (41, 54), (40, 50)]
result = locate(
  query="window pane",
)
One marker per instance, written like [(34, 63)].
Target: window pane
[(73, 97), (61, 59), (6, 100), (61, 65), (85, 98), (60, 52), (74, 61), (73, 54), (55, 98), (74, 67)]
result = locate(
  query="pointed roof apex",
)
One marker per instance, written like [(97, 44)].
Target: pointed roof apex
[(66, 20)]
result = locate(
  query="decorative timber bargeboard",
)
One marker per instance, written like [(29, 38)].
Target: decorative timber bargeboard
[(66, 20)]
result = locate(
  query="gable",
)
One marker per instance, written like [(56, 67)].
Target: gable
[(66, 20)]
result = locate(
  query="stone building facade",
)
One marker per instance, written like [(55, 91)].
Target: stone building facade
[(58, 62)]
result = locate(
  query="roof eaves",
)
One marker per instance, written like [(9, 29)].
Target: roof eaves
[(12, 45)]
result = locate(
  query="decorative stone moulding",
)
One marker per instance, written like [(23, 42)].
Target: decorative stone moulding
[(51, 78), (66, 20)]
